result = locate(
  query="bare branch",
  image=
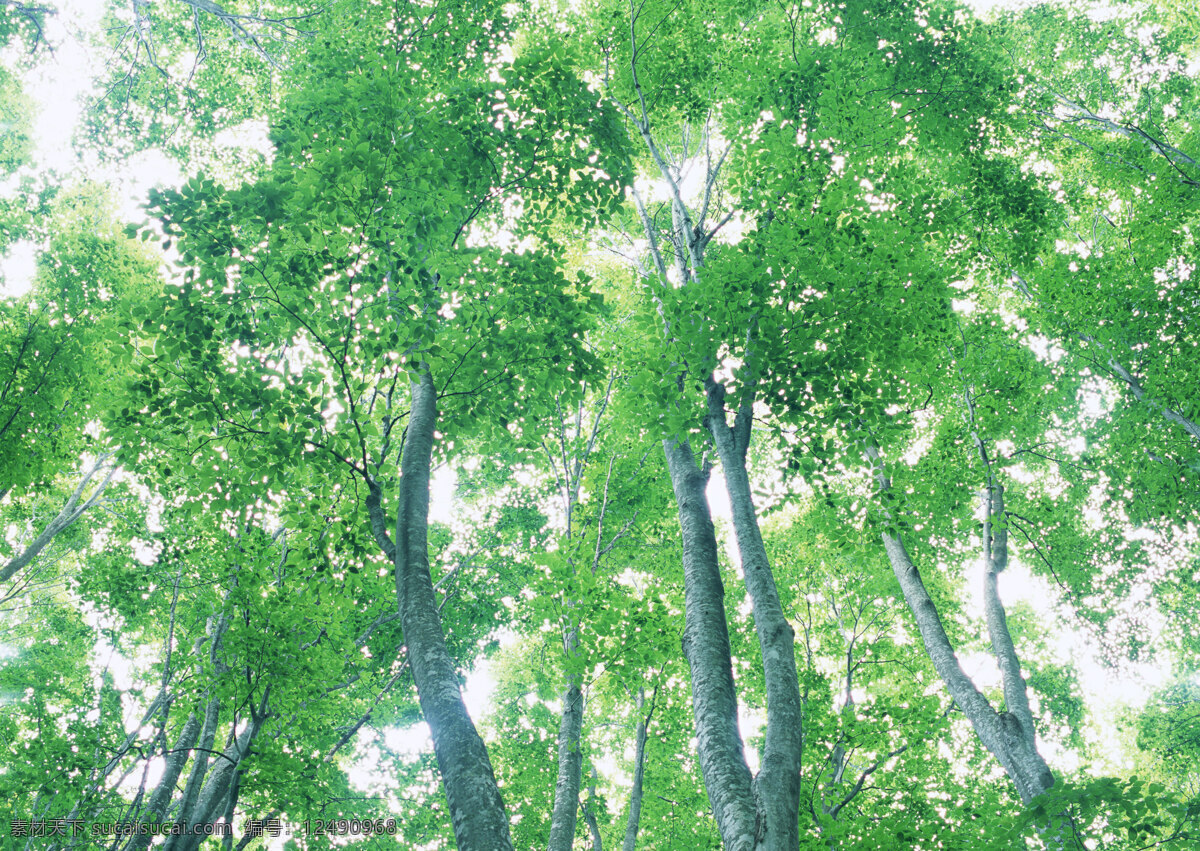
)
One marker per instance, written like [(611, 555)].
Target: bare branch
[(72, 511)]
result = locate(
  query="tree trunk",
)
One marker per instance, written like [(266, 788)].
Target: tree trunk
[(166, 786), (1009, 736), (706, 647), (208, 738), (633, 823), (476, 809), (570, 756), (777, 785), (214, 796), (589, 816)]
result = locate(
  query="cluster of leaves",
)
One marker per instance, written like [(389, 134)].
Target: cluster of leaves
[(945, 245)]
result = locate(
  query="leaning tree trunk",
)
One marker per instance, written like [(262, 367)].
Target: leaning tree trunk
[(476, 808), (161, 796), (221, 783), (1008, 735)]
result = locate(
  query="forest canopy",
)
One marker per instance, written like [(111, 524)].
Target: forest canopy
[(755, 426)]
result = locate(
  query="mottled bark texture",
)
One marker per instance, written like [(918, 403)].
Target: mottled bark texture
[(476, 809), (570, 758), (161, 796), (777, 784), (213, 801), (1008, 735), (706, 648)]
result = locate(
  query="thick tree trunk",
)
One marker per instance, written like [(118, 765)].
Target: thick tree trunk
[(214, 795), (162, 794), (570, 757), (476, 809), (200, 761), (706, 647), (777, 785)]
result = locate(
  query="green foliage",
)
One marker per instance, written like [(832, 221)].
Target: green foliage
[(914, 231), (55, 341)]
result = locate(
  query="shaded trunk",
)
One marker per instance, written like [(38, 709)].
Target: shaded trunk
[(589, 816), (162, 794), (570, 757), (476, 809), (636, 793), (214, 795), (777, 784), (706, 648)]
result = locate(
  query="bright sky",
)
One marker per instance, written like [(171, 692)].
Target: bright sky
[(58, 85)]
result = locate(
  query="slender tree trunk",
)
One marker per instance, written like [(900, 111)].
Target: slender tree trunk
[(636, 792), (71, 512), (570, 756), (476, 808), (706, 647), (1009, 735), (1118, 369), (1135, 387), (570, 729), (777, 785), (590, 817)]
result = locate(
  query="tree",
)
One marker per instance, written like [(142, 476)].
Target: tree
[(891, 271), (299, 307)]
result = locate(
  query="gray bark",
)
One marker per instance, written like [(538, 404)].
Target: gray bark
[(636, 792), (570, 729), (72, 511), (214, 795), (476, 808), (1009, 736), (593, 828), (200, 761), (763, 812), (162, 794), (1135, 387), (589, 816), (706, 648), (777, 784), (1081, 114), (570, 760)]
